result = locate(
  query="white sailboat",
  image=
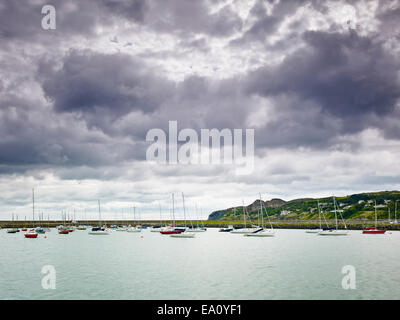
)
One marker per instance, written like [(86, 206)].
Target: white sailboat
[(99, 230), (245, 229), (262, 232), (316, 230), (134, 228), (197, 228), (335, 232), (157, 228), (186, 233)]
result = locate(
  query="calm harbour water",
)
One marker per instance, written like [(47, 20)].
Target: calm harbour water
[(147, 265)]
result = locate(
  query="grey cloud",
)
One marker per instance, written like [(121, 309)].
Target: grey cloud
[(99, 86), (348, 76)]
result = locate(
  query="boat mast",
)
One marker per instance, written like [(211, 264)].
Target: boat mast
[(334, 208), (262, 214), (395, 211), (184, 212), (244, 214), (99, 213), (159, 205), (173, 209), (376, 217), (33, 206), (319, 215)]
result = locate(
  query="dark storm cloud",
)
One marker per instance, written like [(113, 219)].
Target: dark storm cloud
[(101, 105), (100, 86), (338, 83), (347, 76), (23, 21)]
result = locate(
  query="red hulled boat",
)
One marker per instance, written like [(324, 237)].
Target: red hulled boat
[(373, 230), (171, 231), (31, 234)]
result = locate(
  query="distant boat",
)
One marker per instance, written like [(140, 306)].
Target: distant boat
[(13, 229), (99, 230), (227, 229), (316, 229), (196, 229), (31, 234), (134, 228), (245, 229), (334, 232), (156, 229), (374, 230), (262, 232), (185, 233), (40, 230)]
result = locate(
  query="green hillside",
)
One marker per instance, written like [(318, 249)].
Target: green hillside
[(356, 206)]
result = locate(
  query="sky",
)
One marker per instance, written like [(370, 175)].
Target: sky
[(317, 81)]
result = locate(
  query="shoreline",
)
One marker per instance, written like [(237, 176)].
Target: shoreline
[(277, 224)]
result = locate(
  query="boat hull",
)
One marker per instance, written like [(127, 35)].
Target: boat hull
[(264, 233), (333, 233), (171, 232), (30, 235), (243, 231), (99, 232), (314, 230), (182, 235), (374, 231)]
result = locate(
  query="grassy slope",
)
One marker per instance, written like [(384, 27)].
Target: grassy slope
[(306, 209)]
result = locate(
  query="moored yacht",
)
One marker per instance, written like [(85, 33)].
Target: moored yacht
[(262, 232), (374, 230), (99, 230), (31, 234)]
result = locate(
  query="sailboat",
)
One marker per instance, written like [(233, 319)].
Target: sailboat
[(134, 228), (13, 229), (157, 228), (374, 230), (316, 230), (245, 229), (186, 233), (167, 230), (33, 233), (99, 230), (197, 228), (334, 232), (229, 228), (262, 232)]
